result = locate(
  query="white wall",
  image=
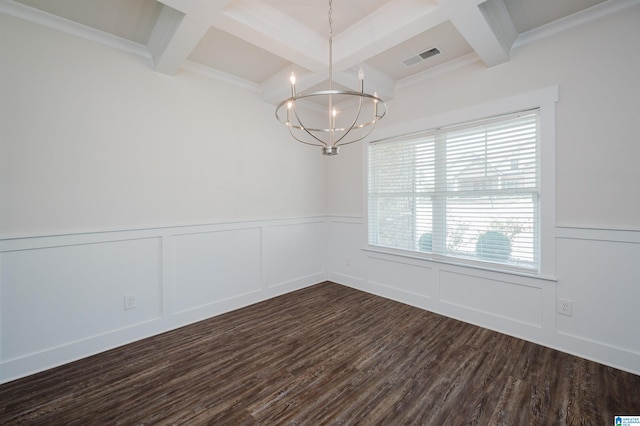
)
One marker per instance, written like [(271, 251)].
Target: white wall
[(597, 262), (93, 139)]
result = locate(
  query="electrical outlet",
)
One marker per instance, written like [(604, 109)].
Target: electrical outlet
[(565, 307), (129, 301)]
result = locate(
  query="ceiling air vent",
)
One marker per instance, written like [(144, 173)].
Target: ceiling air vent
[(421, 56)]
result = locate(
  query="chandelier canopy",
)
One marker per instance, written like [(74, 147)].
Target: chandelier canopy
[(331, 118)]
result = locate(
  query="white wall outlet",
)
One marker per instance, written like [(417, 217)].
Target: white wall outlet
[(565, 307), (129, 301)]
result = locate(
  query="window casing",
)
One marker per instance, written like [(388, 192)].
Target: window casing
[(468, 192)]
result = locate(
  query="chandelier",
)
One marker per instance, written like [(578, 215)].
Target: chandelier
[(350, 115)]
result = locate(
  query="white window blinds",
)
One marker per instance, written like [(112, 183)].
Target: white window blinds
[(467, 191)]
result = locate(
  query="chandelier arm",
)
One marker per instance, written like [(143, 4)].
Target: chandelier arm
[(378, 117), (360, 138), (302, 140), (295, 126), (372, 122), (326, 93), (322, 143)]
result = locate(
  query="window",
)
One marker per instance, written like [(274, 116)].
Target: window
[(469, 191)]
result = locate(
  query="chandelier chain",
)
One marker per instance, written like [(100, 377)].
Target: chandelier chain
[(330, 19), (330, 44), (331, 119)]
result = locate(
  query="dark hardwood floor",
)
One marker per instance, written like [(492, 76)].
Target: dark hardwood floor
[(326, 354)]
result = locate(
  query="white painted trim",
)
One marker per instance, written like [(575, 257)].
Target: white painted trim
[(315, 277), (99, 234), (585, 16), (167, 273), (545, 99), (345, 219), (522, 101), (547, 187), (222, 301), (498, 274), (224, 77), (40, 17), (617, 235), (451, 261)]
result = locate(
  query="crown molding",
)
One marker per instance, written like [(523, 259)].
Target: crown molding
[(36, 16), (224, 77), (591, 14)]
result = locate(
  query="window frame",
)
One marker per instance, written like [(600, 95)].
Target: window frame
[(545, 101)]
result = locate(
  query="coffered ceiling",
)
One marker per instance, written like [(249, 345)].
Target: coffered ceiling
[(257, 43)]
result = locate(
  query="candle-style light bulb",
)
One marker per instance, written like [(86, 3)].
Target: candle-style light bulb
[(361, 74), (375, 106), (289, 106), (292, 78)]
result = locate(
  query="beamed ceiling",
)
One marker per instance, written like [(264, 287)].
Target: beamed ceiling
[(257, 43)]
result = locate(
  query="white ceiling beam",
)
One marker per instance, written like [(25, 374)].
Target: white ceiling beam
[(274, 31), (498, 17), (179, 28), (388, 26), (491, 45)]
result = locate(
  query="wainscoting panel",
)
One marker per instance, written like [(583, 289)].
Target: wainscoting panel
[(347, 262), (294, 253), (55, 296), (63, 297), (214, 266), (407, 276), (598, 271), (502, 299)]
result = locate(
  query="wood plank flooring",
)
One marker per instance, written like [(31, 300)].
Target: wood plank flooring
[(326, 354)]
